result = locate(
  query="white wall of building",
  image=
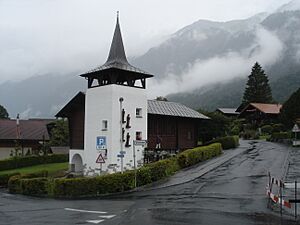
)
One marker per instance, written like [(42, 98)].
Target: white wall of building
[(102, 103)]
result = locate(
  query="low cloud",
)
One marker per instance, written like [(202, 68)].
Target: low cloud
[(266, 50)]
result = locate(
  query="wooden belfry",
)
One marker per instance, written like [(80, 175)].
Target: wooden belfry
[(117, 70)]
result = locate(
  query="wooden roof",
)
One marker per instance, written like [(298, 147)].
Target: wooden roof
[(265, 108), (32, 129)]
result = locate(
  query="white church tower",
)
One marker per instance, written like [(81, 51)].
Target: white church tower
[(115, 113)]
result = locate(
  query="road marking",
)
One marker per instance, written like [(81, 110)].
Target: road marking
[(94, 221), (107, 217), (87, 211)]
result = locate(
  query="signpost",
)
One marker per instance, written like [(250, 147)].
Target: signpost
[(137, 143), (100, 160), (101, 143)]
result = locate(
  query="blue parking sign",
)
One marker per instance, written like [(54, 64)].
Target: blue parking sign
[(101, 143)]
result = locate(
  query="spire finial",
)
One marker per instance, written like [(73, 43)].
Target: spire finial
[(117, 15)]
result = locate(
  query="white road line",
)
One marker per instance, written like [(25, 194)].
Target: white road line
[(94, 221), (107, 217), (87, 211)]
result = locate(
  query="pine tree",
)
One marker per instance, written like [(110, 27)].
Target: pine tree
[(257, 89), (3, 113)]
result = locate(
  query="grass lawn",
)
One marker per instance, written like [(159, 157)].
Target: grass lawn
[(52, 168)]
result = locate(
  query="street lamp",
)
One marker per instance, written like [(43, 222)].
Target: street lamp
[(121, 99)]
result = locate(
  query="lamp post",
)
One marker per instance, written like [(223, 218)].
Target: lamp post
[(121, 99)]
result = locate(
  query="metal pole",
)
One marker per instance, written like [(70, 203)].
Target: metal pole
[(296, 200), (280, 201), (121, 139), (134, 165)]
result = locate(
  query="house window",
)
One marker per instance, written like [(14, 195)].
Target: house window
[(138, 112), (138, 135), (104, 125)]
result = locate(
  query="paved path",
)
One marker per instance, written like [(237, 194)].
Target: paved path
[(190, 174)]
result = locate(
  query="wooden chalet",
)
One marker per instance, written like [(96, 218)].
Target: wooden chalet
[(258, 112), (176, 125), (27, 135)]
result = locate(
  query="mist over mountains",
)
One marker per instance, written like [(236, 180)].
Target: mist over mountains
[(203, 65)]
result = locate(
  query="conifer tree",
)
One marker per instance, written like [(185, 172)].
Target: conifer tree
[(3, 113), (257, 89)]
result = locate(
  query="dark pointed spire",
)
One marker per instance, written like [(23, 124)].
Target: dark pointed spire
[(117, 70), (117, 52)]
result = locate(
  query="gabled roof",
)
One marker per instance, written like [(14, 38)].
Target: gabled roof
[(154, 107), (265, 108), (32, 129), (228, 111), (76, 102), (172, 109), (117, 58)]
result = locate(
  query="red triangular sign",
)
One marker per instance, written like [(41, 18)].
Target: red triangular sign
[(100, 159)]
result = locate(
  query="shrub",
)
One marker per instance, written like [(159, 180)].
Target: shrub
[(15, 182), (227, 142), (111, 183), (278, 127), (193, 156), (235, 130), (18, 162), (267, 129), (5, 177), (34, 186), (250, 134), (280, 136)]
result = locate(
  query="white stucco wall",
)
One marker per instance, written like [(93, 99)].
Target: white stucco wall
[(5, 152), (102, 103)]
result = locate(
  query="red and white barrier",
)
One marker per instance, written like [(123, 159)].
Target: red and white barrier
[(276, 199)]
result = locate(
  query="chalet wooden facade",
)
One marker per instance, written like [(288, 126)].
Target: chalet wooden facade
[(175, 125), (260, 112)]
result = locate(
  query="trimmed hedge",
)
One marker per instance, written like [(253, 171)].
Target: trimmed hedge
[(4, 178), (193, 156), (227, 142), (18, 162), (15, 181), (280, 136), (111, 183)]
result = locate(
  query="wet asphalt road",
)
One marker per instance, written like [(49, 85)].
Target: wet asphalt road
[(233, 193)]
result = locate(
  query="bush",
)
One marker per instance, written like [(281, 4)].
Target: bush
[(5, 177), (280, 136), (18, 162), (34, 186), (278, 127), (193, 156), (250, 135), (15, 182), (227, 142), (267, 129), (111, 183)]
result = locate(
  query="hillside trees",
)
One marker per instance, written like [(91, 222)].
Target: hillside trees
[(291, 109), (257, 88)]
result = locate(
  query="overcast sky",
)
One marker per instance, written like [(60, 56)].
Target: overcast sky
[(65, 36)]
